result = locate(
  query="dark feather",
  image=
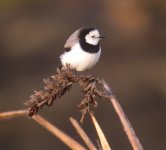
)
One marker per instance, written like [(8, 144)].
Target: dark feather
[(67, 49)]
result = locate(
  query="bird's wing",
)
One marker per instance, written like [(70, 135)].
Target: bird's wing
[(72, 40)]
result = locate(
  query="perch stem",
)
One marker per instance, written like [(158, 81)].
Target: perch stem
[(58, 133), (104, 143), (124, 120), (12, 114), (82, 134)]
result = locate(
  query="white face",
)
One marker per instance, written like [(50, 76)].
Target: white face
[(93, 37)]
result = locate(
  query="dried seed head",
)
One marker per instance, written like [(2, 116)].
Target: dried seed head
[(62, 82)]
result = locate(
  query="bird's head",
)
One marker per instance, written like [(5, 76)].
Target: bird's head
[(90, 35)]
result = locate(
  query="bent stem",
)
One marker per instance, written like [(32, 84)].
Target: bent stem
[(58, 133), (104, 143), (124, 120), (82, 134), (12, 114)]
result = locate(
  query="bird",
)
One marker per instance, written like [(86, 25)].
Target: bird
[(82, 50)]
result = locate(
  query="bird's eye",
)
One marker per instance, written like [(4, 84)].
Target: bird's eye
[(93, 36)]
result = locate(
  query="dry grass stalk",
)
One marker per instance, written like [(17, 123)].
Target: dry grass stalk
[(91, 88), (104, 143), (12, 114), (82, 134), (124, 120), (71, 143)]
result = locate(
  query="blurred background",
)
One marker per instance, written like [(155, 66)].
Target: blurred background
[(133, 62)]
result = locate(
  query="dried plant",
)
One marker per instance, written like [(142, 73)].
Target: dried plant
[(62, 82), (92, 88)]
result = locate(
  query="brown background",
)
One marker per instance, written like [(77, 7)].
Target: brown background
[(133, 62)]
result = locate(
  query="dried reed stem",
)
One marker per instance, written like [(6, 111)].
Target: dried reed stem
[(58, 133), (92, 88), (124, 120), (12, 114), (103, 140), (82, 134)]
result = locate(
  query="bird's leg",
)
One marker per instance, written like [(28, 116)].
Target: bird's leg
[(60, 67), (68, 66)]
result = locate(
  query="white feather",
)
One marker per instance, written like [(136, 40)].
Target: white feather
[(93, 37), (79, 59)]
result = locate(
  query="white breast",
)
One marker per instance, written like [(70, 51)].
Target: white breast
[(79, 59)]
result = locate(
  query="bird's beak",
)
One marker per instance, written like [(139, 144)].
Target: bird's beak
[(101, 37)]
